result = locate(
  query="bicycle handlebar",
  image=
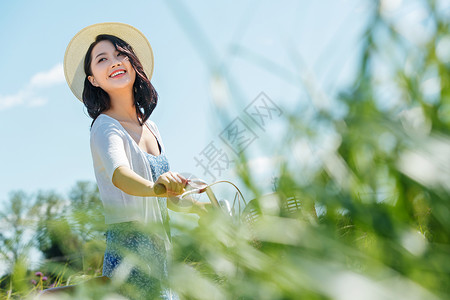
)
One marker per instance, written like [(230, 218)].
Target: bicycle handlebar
[(159, 189), (197, 184)]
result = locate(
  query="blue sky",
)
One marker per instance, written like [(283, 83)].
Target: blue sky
[(261, 46)]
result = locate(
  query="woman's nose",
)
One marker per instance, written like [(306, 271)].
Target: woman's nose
[(116, 62)]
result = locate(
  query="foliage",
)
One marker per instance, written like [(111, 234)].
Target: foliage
[(68, 233), (16, 218)]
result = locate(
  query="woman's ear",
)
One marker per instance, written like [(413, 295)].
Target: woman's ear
[(93, 81)]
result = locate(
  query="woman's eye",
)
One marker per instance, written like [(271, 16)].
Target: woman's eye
[(101, 59)]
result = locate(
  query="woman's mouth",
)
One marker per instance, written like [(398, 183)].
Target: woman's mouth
[(117, 73)]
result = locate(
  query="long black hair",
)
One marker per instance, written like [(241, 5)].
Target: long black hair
[(97, 100)]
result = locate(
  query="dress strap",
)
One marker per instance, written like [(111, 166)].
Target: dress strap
[(157, 141)]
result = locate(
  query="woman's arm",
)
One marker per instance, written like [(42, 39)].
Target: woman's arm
[(131, 183)]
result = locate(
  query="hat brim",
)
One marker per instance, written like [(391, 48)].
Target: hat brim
[(78, 46)]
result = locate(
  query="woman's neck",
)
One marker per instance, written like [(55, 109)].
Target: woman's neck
[(122, 107)]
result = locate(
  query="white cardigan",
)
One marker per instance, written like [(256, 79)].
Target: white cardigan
[(112, 147)]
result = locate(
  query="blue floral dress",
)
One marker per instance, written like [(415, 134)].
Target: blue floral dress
[(125, 241)]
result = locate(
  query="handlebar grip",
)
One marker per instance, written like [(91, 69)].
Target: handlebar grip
[(159, 189)]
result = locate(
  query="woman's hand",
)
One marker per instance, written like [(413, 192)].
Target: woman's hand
[(173, 182)]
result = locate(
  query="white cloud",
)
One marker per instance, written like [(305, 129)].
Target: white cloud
[(28, 95), (11, 100), (48, 78)]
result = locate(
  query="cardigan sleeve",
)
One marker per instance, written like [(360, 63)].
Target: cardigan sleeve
[(108, 148)]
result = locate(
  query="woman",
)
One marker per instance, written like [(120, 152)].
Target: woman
[(108, 67)]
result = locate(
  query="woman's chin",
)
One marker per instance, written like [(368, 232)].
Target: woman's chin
[(119, 85)]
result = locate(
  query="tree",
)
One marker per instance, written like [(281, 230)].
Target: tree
[(86, 210), (17, 221)]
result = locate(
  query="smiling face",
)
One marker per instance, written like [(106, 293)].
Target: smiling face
[(111, 69)]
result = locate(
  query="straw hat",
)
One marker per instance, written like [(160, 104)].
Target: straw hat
[(78, 46)]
